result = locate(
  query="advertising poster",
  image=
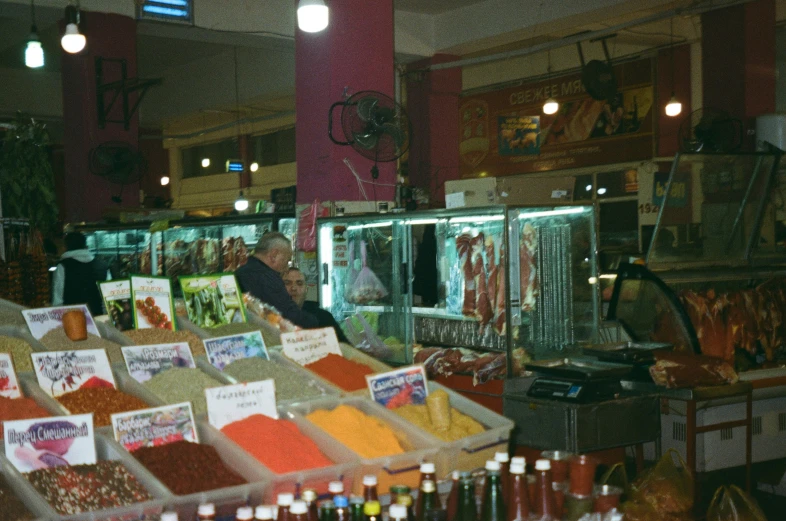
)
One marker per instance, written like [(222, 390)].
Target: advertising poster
[(144, 362), (41, 321), (118, 303), (60, 372), (42, 443), (405, 386), (154, 427), (519, 135), (153, 303), (213, 300)]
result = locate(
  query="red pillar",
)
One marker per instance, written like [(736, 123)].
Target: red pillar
[(433, 104), (355, 52), (738, 60), (108, 36)]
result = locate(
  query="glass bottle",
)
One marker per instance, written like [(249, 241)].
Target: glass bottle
[(298, 511), (342, 507), (466, 509), (398, 490), (168, 516), (263, 513), (336, 488), (504, 473), (284, 502), (545, 506), (206, 512), (356, 508), (244, 514), (452, 501), (492, 507), (309, 495), (428, 472), (407, 501), (518, 504), (427, 500), (327, 510), (397, 512), (372, 510), (370, 488)]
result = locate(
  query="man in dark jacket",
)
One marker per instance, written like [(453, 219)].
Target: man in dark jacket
[(295, 282), (261, 276), (77, 274)]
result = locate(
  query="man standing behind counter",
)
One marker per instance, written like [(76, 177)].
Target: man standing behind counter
[(262, 277), (295, 282)]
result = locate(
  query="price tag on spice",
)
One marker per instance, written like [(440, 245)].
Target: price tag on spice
[(9, 385), (232, 403), (60, 372), (41, 321), (153, 304), (309, 345), (42, 443), (213, 300), (404, 386), (154, 427), (118, 303), (144, 362), (223, 350)]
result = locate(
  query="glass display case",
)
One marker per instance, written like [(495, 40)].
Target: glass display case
[(124, 249)]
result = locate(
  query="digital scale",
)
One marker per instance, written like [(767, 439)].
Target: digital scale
[(576, 380)]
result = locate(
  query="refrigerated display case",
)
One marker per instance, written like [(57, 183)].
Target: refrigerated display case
[(126, 249)]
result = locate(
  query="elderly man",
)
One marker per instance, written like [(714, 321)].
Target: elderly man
[(295, 282), (262, 277)]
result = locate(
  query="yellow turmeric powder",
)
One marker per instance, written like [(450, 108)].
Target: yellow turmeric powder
[(364, 434), (439, 419)]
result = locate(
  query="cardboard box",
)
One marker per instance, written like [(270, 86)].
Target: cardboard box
[(514, 190)]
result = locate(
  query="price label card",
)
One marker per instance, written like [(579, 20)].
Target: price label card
[(144, 362), (309, 345), (224, 350), (60, 372), (154, 427), (233, 403), (213, 300), (404, 386), (42, 443), (153, 303), (118, 303), (9, 385), (41, 321)]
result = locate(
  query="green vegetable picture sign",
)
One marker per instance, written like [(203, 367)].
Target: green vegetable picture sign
[(118, 303), (213, 300)]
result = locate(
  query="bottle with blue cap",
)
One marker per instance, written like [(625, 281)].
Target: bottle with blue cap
[(341, 502)]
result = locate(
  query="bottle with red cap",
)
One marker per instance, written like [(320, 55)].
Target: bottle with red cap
[(284, 502), (451, 504), (298, 510), (545, 506), (370, 488), (518, 505)]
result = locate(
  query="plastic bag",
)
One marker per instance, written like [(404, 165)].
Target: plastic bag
[(366, 287), (307, 226), (733, 504), (362, 335), (666, 487), (268, 313)]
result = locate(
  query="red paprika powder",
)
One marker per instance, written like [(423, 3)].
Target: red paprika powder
[(347, 374), (278, 444), (19, 409)]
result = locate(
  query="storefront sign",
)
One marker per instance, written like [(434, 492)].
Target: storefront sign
[(154, 427), (153, 304), (50, 442), (40, 321), (505, 132), (309, 345), (9, 385), (144, 362), (118, 303), (224, 350), (284, 199), (60, 372), (405, 386), (232, 403)]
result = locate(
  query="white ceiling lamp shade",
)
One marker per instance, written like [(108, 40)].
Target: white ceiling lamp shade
[(312, 16), (254, 166), (241, 204), (34, 52), (551, 106), (205, 162), (72, 41), (673, 107), (164, 180)]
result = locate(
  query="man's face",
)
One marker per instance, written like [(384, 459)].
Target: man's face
[(295, 283)]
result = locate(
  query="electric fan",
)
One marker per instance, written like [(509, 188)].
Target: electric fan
[(710, 130), (119, 163)]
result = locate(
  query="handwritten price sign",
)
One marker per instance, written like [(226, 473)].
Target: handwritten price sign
[(310, 345)]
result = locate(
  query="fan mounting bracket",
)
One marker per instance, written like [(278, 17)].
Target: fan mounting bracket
[(122, 88)]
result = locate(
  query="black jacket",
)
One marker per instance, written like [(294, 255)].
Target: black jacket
[(325, 319), (266, 284)]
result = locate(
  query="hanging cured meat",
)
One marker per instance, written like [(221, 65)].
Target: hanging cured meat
[(500, 319), (491, 270), (528, 267), (464, 250), (483, 310)]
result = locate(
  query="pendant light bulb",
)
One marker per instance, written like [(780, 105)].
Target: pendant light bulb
[(73, 41), (674, 107), (205, 162), (241, 204), (164, 180), (551, 106), (312, 16), (254, 166), (34, 53)]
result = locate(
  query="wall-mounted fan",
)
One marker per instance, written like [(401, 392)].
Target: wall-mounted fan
[(119, 163), (710, 130), (374, 125)]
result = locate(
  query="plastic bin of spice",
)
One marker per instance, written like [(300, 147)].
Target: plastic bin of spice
[(106, 449), (470, 452), (24, 492), (227, 499), (356, 355), (23, 333), (397, 469)]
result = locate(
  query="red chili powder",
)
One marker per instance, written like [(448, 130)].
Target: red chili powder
[(345, 373), (19, 409), (278, 444)]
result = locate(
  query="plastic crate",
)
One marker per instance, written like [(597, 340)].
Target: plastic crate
[(345, 462), (24, 491), (105, 450), (227, 499), (399, 469), (471, 452)]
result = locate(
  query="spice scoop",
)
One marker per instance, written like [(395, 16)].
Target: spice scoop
[(75, 325)]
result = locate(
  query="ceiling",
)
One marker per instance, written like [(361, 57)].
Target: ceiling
[(432, 6)]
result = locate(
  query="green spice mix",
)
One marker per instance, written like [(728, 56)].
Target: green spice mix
[(178, 384), (290, 383)]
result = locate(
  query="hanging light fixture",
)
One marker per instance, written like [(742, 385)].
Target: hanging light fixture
[(241, 203), (551, 106), (312, 15), (205, 162), (673, 107), (254, 166), (34, 53), (73, 41), (164, 180)]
